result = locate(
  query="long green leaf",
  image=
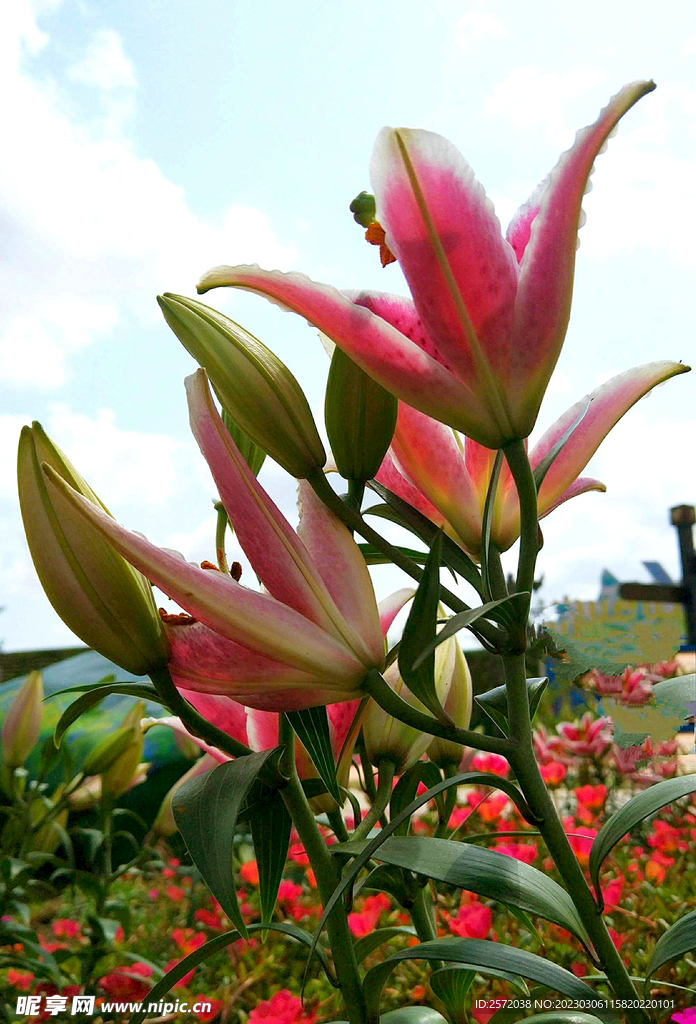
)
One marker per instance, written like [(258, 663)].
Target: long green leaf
[(359, 862), (418, 671), (93, 696), (459, 621), (496, 699), (482, 955), (451, 986), (487, 522), (623, 820), (563, 1017), (312, 729), (405, 515), (213, 946), (486, 872), (407, 787), (373, 556), (412, 1015), (552, 454), (676, 941), (205, 809), (270, 832), (368, 943)]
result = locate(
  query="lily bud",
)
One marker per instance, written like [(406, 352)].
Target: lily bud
[(22, 724), (48, 838), (458, 706), (98, 595), (387, 738), (119, 775), (360, 418), (109, 750), (255, 388), (363, 209)]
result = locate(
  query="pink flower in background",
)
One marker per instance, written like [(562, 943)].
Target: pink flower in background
[(589, 737), (473, 921), (687, 1016), (281, 1008)]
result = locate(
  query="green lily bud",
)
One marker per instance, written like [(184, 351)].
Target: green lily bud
[(363, 209), (119, 775), (22, 724), (360, 418), (458, 706), (109, 749), (48, 838), (255, 388), (387, 738), (98, 595)]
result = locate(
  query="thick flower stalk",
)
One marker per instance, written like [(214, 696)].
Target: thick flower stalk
[(492, 310), (314, 633), (446, 476)]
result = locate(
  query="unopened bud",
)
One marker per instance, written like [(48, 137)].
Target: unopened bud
[(99, 760), (363, 209), (22, 724), (458, 706), (118, 777), (98, 595), (255, 388), (360, 418), (387, 738)]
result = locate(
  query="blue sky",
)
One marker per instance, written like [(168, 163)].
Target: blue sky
[(146, 142)]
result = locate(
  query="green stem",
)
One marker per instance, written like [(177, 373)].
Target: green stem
[(496, 575), (220, 529), (516, 455), (534, 788), (386, 769), (355, 522), (194, 722), (523, 759), (423, 917), (367, 771), (338, 825), (394, 705), (326, 874)]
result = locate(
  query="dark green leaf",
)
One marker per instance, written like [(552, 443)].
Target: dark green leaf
[(312, 729), (385, 879), (487, 521), (407, 516), (544, 466), (373, 556), (92, 696), (451, 986), (676, 941), (205, 809), (419, 672), (368, 943), (486, 872), (496, 699), (215, 945), (497, 717), (562, 1017), (359, 862), (459, 621), (270, 831), (482, 955), (623, 820), (412, 1015), (407, 787)]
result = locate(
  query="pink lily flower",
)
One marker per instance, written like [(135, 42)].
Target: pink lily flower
[(492, 312), (446, 476), (314, 632)]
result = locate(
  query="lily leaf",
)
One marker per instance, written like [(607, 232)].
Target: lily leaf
[(312, 729), (92, 696), (487, 522), (496, 699), (483, 955), (418, 669), (676, 941), (270, 832), (407, 787), (462, 619), (486, 872), (368, 943), (205, 809), (623, 820)]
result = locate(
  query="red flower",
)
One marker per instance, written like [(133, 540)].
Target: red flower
[(526, 852), (215, 1006), (553, 773), (494, 763), (364, 921), (20, 979), (281, 1008), (612, 892), (210, 918), (174, 893), (65, 928), (250, 872), (473, 921), (188, 940), (124, 982), (581, 846)]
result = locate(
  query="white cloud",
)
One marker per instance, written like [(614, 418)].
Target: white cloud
[(530, 99), (474, 26), (104, 64), (81, 210)]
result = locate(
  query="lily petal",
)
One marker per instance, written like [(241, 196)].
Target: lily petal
[(461, 272), (582, 485), (607, 404), (390, 358), (392, 477), (390, 607), (255, 620), (545, 286), (222, 711), (275, 551), (341, 567), (176, 725), (428, 453)]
